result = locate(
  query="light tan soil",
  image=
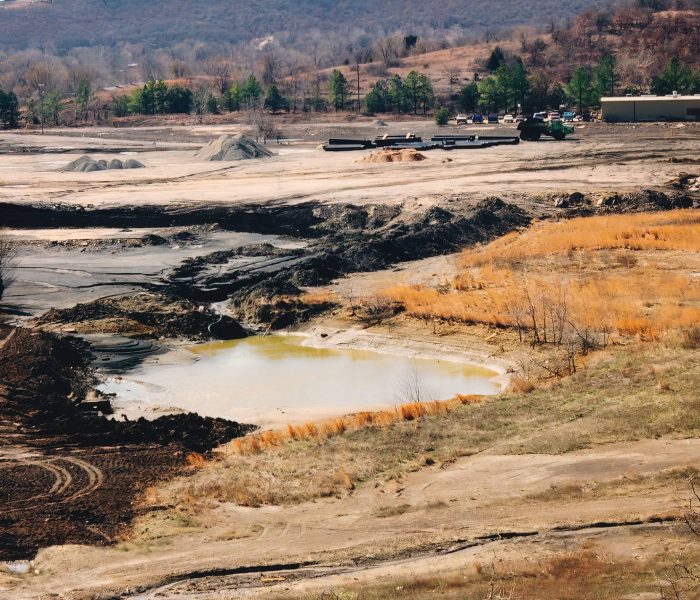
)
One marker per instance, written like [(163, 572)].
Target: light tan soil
[(431, 509), (599, 158)]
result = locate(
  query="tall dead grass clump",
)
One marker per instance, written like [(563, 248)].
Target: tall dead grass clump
[(671, 230), (255, 443), (691, 338), (195, 460)]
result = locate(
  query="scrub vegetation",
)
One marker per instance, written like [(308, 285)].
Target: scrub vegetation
[(583, 281)]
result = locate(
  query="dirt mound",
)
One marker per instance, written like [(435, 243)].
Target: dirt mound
[(144, 316), (379, 123), (433, 232), (87, 164), (131, 164), (391, 156), (229, 148)]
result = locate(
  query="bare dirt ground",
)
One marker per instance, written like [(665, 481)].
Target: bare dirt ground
[(430, 513), (448, 516), (599, 158)]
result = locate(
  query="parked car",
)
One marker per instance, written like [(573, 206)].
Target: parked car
[(554, 116), (568, 116), (587, 117), (493, 118), (539, 115), (462, 119), (477, 118), (519, 118), (509, 119)]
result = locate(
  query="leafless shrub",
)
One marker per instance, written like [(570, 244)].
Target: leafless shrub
[(263, 125), (411, 388), (376, 309), (377, 69)]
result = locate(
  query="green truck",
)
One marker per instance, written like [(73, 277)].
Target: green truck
[(534, 128)]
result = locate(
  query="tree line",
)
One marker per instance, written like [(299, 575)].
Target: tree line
[(511, 87)]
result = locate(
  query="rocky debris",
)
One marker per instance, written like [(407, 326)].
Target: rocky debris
[(387, 155), (379, 123), (686, 181), (644, 201), (338, 218), (152, 239), (687, 160), (87, 164), (567, 201), (144, 315), (230, 148)]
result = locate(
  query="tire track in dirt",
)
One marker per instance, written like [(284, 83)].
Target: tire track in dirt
[(204, 585), (63, 484)]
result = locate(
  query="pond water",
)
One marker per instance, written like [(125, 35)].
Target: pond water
[(275, 380)]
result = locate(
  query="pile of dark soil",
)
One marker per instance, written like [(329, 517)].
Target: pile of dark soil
[(145, 316), (434, 232), (645, 201), (78, 476)]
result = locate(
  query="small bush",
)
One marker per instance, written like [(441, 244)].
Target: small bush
[(691, 338), (442, 116), (521, 385)]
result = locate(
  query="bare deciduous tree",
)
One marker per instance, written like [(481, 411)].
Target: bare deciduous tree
[(200, 102), (220, 70), (263, 125)]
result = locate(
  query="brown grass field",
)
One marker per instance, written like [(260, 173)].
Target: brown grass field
[(625, 275)]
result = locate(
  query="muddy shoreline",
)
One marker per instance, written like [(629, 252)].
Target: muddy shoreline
[(66, 464)]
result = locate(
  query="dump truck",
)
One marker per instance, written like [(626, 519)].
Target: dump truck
[(534, 128)]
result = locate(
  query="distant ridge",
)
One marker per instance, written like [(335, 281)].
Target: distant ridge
[(64, 24)]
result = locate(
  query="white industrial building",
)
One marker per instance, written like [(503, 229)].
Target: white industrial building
[(673, 107)]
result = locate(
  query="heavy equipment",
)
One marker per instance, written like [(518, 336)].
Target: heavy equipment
[(534, 128)]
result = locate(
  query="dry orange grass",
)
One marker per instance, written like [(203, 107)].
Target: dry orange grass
[(672, 230), (195, 460), (551, 265), (318, 298), (256, 442)]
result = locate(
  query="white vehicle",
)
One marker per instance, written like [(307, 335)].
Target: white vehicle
[(540, 115), (461, 119), (509, 119), (554, 116)]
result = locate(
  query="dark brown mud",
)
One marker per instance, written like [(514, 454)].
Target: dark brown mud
[(71, 475)]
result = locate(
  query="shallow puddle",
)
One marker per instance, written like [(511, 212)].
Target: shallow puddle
[(274, 380)]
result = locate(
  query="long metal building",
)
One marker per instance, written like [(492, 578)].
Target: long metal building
[(651, 108)]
